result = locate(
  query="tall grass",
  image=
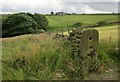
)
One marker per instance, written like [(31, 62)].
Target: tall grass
[(34, 57), (40, 57), (108, 52)]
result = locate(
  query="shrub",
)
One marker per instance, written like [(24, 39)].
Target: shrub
[(17, 24), (101, 23), (78, 24), (41, 20), (29, 14)]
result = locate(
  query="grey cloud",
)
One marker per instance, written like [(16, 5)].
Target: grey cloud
[(105, 6), (89, 0), (58, 5), (81, 7)]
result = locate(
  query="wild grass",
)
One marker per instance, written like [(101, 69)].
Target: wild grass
[(34, 57), (40, 57)]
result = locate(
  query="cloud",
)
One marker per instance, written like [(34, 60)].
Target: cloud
[(91, 7), (89, 0), (88, 9), (104, 6), (46, 6), (30, 5)]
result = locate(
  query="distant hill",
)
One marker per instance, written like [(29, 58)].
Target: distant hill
[(58, 22)]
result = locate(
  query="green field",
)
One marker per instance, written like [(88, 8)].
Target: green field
[(42, 50), (57, 22), (40, 57), (106, 32)]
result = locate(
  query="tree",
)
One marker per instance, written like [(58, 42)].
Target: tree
[(55, 13), (23, 23), (18, 24), (41, 21), (52, 13), (29, 14)]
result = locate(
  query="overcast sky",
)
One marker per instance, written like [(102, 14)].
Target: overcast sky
[(71, 6)]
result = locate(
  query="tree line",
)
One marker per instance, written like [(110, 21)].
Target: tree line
[(23, 23)]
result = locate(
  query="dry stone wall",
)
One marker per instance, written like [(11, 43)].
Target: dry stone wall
[(84, 50)]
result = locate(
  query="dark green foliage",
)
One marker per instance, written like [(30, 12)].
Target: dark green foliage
[(55, 13), (68, 13), (78, 24), (41, 20), (23, 23), (17, 24), (29, 14), (52, 13), (101, 23)]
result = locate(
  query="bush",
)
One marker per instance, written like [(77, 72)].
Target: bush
[(101, 23), (17, 24), (78, 24), (23, 23), (41, 20), (29, 14)]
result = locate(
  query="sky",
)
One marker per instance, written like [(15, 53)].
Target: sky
[(68, 6)]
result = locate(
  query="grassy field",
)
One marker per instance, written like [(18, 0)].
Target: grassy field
[(110, 32), (41, 57), (58, 22), (106, 32)]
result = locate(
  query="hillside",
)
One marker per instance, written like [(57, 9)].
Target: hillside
[(57, 22), (22, 55), (40, 57)]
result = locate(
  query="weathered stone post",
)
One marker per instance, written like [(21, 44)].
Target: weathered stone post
[(84, 48)]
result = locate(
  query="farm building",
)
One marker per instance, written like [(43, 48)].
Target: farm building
[(60, 13)]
